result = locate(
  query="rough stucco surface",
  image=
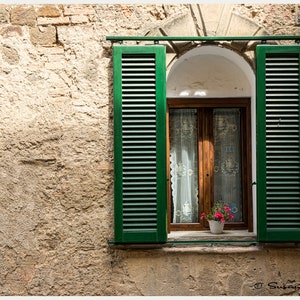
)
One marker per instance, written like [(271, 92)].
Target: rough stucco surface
[(214, 271), (56, 150)]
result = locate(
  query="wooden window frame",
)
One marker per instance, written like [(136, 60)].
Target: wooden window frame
[(206, 176)]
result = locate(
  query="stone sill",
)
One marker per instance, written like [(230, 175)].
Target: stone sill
[(202, 236), (230, 241), (199, 240)]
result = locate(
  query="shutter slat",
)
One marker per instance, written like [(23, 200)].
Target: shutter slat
[(281, 79)]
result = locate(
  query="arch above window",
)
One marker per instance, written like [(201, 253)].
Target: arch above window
[(210, 71)]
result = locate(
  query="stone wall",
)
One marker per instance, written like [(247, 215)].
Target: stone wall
[(56, 149)]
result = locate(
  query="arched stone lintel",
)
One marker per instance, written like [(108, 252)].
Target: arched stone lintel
[(212, 68)]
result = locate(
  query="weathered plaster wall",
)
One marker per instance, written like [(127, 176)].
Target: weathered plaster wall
[(199, 270), (56, 155)]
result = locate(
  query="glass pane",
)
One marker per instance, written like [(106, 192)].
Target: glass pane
[(184, 165), (227, 160)]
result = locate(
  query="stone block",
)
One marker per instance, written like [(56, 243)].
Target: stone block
[(22, 15), (53, 21), (45, 36), (241, 26), (211, 16), (78, 10), (182, 25), (49, 11)]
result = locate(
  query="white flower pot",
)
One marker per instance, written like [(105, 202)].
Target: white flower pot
[(215, 226)]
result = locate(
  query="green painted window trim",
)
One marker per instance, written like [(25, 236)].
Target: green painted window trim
[(266, 232), (139, 234)]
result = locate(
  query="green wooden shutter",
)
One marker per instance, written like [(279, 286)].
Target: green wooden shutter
[(278, 143), (140, 144)]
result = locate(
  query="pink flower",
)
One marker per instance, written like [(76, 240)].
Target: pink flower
[(227, 209), (218, 213), (218, 216)]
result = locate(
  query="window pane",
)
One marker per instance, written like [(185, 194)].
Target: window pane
[(227, 160), (184, 165)]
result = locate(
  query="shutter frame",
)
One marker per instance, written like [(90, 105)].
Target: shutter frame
[(133, 222), (273, 227)]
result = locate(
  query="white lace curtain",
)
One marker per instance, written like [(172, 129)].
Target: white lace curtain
[(184, 162), (184, 165), (227, 159)]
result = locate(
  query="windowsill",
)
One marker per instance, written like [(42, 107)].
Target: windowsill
[(192, 239), (206, 242), (207, 236)]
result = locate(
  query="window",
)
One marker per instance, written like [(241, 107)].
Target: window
[(140, 154), (209, 159)]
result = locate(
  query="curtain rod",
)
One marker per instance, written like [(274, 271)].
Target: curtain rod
[(156, 39)]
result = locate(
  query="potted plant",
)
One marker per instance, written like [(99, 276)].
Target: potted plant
[(217, 217)]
